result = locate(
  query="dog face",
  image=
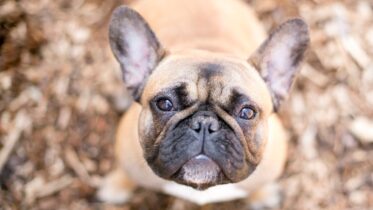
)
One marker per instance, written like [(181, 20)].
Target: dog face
[(204, 116), (205, 123)]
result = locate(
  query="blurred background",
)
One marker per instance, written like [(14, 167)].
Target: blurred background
[(61, 97)]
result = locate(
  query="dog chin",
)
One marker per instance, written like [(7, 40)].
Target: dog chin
[(200, 172)]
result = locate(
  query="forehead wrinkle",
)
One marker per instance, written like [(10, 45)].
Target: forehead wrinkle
[(215, 89), (202, 89), (207, 71), (248, 81)]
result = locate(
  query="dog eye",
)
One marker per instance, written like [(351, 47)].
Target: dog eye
[(247, 113), (164, 104)]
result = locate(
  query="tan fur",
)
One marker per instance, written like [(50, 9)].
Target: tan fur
[(238, 34), (231, 38)]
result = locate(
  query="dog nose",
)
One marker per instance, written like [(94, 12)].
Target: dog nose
[(205, 122)]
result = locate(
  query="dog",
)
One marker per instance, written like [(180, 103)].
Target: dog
[(207, 85)]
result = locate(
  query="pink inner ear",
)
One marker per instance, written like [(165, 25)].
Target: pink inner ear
[(135, 47), (140, 58), (279, 66)]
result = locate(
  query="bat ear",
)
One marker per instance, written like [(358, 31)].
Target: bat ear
[(135, 46), (278, 59)]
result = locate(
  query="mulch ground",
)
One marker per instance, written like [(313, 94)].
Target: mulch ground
[(61, 98)]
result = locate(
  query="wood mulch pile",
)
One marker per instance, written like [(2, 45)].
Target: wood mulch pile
[(61, 98)]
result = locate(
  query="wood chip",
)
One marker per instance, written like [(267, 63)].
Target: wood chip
[(9, 143), (78, 167), (308, 143), (362, 128), (38, 188), (21, 122), (353, 47)]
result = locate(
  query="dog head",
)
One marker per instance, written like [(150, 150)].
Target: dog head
[(204, 115)]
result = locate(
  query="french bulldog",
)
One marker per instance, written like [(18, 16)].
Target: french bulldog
[(206, 84)]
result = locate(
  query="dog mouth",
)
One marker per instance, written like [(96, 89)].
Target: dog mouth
[(200, 172)]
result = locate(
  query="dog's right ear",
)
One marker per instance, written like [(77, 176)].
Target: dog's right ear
[(135, 46)]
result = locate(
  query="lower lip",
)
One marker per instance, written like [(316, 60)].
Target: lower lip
[(200, 170)]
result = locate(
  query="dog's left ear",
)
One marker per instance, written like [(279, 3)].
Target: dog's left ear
[(278, 59), (135, 46)]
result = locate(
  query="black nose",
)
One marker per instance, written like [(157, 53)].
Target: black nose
[(205, 121)]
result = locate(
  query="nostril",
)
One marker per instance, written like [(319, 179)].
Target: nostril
[(196, 126), (209, 126), (213, 127)]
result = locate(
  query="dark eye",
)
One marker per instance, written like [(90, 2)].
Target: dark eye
[(164, 104), (247, 113)]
